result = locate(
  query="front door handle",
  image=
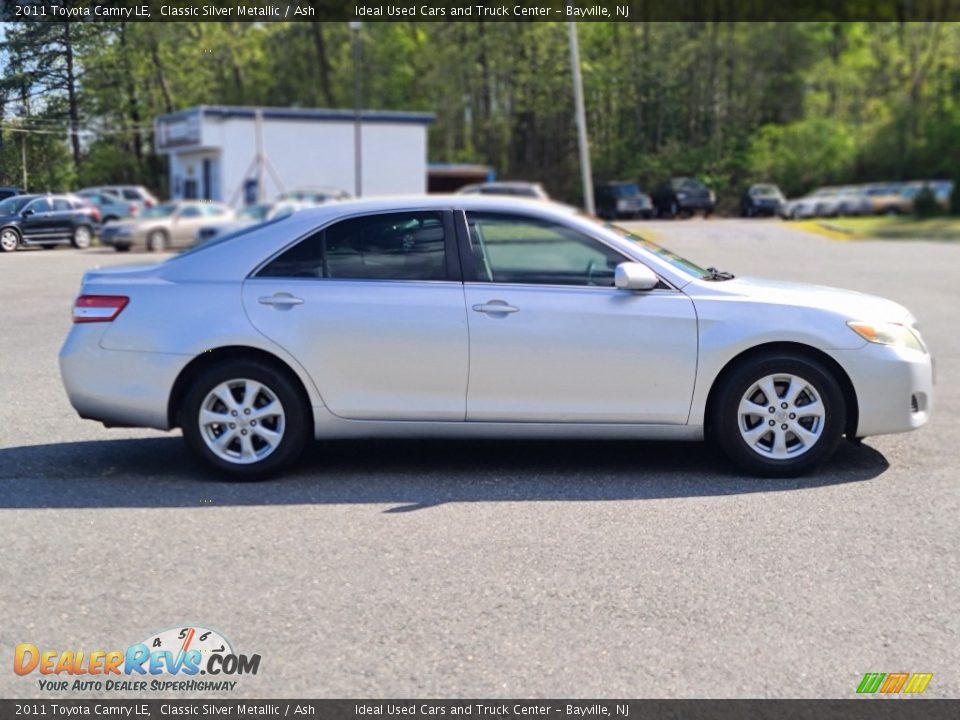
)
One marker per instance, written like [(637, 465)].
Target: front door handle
[(495, 307), (280, 300)]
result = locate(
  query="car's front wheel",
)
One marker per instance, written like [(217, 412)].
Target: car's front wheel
[(246, 419), (778, 416)]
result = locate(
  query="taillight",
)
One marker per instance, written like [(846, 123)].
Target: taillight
[(147, 202), (133, 209), (98, 308), (96, 214)]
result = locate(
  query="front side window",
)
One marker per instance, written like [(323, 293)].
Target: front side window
[(514, 249), (393, 246), (40, 205)]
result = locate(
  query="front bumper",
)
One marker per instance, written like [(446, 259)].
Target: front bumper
[(117, 387), (894, 387)]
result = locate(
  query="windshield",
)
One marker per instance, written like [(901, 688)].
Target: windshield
[(13, 205), (158, 211), (765, 191), (625, 190), (227, 237), (675, 260)]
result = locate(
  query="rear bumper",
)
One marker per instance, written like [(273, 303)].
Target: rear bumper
[(117, 387), (894, 387)]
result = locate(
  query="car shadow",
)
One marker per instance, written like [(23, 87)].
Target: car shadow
[(407, 475)]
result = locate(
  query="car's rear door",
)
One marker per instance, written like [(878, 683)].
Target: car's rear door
[(551, 338), (372, 306)]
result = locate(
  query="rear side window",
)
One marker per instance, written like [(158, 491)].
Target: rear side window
[(393, 246), (131, 194), (61, 205)]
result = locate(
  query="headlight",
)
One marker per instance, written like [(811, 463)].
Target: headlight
[(892, 334)]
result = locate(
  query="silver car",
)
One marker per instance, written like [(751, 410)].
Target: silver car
[(476, 317)]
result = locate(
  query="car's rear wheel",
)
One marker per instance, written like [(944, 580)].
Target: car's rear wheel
[(778, 416), (82, 237), (246, 419), (9, 240), (157, 241)]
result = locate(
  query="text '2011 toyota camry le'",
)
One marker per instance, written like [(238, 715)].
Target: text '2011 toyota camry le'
[(482, 317)]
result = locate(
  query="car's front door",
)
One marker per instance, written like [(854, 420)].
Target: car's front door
[(552, 339), (37, 222), (373, 308)]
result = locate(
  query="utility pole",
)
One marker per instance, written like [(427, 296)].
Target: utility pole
[(259, 157), (357, 105), (22, 114), (586, 174)]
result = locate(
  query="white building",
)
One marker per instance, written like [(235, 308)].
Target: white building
[(213, 151)]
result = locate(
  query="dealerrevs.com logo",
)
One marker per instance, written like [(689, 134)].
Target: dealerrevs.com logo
[(171, 660)]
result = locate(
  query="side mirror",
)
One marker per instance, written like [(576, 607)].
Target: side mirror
[(634, 276), (26, 213)]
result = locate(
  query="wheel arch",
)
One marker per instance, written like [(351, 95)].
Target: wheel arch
[(799, 350), (210, 358)]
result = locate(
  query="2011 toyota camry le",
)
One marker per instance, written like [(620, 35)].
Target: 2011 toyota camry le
[(466, 316)]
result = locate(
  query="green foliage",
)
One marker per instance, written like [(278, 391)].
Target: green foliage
[(925, 204), (799, 104), (802, 154)]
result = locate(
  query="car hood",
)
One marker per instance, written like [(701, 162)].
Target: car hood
[(852, 304)]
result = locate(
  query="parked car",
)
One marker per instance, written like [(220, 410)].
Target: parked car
[(853, 200), (133, 193), (248, 216), (112, 207), (465, 316), (314, 196), (164, 227), (886, 198), (761, 199), (622, 200), (6, 192), (47, 221), (683, 196), (812, 205), (517, 188)]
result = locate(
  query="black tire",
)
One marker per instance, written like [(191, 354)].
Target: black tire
[(725, 419), (156, 241), (296, 428)]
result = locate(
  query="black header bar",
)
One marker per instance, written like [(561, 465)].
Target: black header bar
[(863, 709), (478, 10)]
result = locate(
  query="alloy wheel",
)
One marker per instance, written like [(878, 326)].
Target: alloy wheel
[(781, 416), (242, 421)]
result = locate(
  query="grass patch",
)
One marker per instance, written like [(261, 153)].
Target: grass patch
[(884, 227)]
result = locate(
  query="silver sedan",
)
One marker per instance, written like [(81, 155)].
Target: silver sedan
[(478, 317)]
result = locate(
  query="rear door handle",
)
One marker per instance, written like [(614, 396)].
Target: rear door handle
[(495, 307), (281, 300)]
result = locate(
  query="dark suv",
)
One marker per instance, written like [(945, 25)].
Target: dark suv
[(622, 200), (6, 192), (47, 221), (683, 196)]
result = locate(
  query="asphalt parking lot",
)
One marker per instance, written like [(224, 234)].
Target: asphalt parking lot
[(493, 569)]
